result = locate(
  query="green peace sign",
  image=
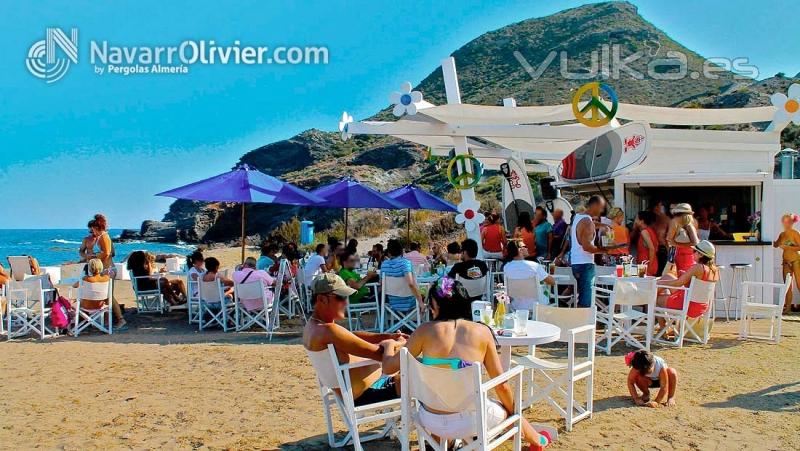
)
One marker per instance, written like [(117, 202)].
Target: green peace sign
[(462, 175)]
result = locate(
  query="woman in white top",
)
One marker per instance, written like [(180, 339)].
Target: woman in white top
[(518, 269), (197, 267)]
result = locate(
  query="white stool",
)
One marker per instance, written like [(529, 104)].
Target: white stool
[(719, 292), (738, 276)]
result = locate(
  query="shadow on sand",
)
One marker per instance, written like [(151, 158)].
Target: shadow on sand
[(777, 398), (320, 442), (173, 328)]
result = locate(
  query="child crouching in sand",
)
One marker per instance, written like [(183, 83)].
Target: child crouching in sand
[(650, 371)]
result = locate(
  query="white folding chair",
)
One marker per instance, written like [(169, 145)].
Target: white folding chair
[(174, 264), (698, 291), (3, 306), (213, 303), (600, 298), (566, 279), (336, 390), (297, 297), (577, 327), (368, 304), (752, 310), (476, 288), (20, 267), (72, 272), (148, 301), (245, 319), (193, 298), (395, 320), (26, 309), (627, 322), (458, 391), (101, 318), (525, 293)]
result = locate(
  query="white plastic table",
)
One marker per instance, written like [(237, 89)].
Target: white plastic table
[(612, 279), (538, 333)]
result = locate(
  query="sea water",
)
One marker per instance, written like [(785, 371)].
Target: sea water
[(58, 246)]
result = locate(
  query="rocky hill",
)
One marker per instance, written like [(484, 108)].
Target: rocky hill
[(490, 68)]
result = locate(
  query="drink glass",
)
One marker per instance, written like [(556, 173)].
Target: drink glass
[(642, 269), (486, 315), (521, 321), (620, 270)]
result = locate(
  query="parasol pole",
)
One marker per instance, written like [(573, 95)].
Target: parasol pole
[(243, 223), (345, 225), (408, 229)]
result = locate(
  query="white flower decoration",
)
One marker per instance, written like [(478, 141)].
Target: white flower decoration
[(788, 107), (469, 215), (405, 101), (343, 125)]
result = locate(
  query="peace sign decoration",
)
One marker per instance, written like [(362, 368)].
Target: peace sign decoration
[(464, 171), (595, 113)]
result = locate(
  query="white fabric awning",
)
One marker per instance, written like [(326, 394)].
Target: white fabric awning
[(465, 114)]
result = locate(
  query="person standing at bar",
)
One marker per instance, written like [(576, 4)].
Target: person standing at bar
[(620, 230), (682, 236), (582, 236), (661, 226), (559, 231)]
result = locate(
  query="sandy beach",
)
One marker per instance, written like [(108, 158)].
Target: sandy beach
[(165, 385)]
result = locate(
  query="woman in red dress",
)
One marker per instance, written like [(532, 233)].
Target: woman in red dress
[(647, 243)]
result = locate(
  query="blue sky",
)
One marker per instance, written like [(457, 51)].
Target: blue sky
[(91, 143)]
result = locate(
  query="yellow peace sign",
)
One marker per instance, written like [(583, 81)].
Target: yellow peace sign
[(599, 114)]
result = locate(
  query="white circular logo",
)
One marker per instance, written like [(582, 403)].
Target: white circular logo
[(42, 61)]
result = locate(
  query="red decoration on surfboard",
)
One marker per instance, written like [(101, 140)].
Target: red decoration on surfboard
[(633, 142)]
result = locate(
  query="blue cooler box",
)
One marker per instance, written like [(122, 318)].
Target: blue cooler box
[(306, 232)]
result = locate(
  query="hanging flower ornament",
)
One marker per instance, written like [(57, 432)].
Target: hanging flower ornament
[(787, 106), (405, 101), (468, 215), (344, 125)]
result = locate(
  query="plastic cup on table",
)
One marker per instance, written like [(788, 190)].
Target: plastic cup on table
[(486, 315), (521, 321), (620, 270)]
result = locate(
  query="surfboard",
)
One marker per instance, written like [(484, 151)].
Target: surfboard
[(559, 203), (517, 194), (611, 154)]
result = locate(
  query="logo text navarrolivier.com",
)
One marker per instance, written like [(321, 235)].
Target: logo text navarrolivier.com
[(49, 59)]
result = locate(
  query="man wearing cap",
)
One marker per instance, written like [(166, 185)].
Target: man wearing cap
[(329, 302)]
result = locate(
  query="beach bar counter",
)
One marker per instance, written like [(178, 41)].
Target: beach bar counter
[(723, 159), (732, 176)]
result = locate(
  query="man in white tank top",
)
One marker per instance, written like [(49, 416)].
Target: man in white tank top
[(582, 250)]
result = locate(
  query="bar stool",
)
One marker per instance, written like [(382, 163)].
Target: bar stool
[(719, 292), (739, 274)]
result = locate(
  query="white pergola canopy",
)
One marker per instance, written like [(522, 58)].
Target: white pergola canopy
[(493, 133)]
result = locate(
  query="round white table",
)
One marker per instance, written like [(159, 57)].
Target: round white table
[(612, 279), (538, 333)]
